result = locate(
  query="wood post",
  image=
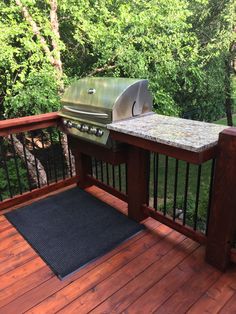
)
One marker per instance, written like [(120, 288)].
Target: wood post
[(222, 221), (137, 182), (83, 164), (83, 168)]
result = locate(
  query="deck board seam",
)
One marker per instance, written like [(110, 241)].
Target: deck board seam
[(159, 279), (156, 244), (117, 250), (77, 279)]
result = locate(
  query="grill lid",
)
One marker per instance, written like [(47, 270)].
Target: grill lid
[(111, 99)]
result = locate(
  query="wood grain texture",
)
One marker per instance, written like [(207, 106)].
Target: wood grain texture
[(189, 232), (97, 151), (137, 182), (222, 222), (178, 153), (157, 270), (17, 125)]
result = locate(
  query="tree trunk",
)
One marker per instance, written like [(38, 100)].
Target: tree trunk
[(38, 176), (70, 163), (228, 98)]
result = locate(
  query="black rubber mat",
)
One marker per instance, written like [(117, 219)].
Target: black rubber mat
[(72, 228)]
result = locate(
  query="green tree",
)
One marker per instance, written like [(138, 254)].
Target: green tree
[(180, 46), (214, 23), (115, 38)]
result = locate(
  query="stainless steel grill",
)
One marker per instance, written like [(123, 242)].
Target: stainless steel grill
[(89, 104)]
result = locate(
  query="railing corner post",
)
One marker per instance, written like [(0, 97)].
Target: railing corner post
[(222, 221), (137, 181)]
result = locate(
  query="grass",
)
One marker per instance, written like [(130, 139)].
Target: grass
[(223, 121), (193, 207)]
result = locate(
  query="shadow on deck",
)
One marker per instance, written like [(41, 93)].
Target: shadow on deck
[(159, 270)]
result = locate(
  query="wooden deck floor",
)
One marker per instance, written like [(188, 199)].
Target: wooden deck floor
[(158, 271)]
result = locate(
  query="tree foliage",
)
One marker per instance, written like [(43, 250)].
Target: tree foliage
[(179, 45)]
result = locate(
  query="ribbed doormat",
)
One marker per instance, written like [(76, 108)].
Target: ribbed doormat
[(72, 228)]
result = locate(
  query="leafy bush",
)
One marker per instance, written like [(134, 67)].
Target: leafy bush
[(13, 182)]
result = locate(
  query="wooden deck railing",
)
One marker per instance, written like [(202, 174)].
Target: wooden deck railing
[(219, 233), (32, 159), (194, 193)]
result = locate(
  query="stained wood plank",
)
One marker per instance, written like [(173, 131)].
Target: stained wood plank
[(7, 233), (221, 227), (217, 295), (105, 270), (17, 260), (19, 287), (190, 292), (48, 288), (11, 252), (145, 292), (157, 256), (10, 241), (17, 125), (110, 284), (20, 273), (230, 307), (4, 225), (175, 152)]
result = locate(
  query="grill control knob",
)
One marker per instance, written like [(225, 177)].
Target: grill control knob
[(99, 132), (84, 128), (65, 122), (76, 125), (92, 130), (69, 124)]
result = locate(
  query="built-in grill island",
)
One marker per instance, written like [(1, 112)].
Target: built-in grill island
[(88, 106)]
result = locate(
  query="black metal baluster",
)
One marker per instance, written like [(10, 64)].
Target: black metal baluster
[(35, 161), (119, 175), (210, 193), (186, 193), (195, 218), (126, 179), (26, 161), (153, 160), (175, 187), (156, 175), (47, 163), (6, 169), (62, 157), (92, 166), (148, 178), (70, 163), (16, 164), (165, 184), (107, 173), (113, 176), (96, 168), (54, 155), (101, 166)]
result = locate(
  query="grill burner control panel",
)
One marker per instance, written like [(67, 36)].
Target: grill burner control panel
[(83, 128), (86, 131)]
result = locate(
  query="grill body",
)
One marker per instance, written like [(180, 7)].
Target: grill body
[(89, 104)]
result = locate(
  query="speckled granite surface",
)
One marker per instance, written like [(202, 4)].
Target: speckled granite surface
[(187, 134)]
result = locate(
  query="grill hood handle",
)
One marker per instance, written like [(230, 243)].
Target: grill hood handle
[(88, 113)]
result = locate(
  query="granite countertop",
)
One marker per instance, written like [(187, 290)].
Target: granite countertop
[(191, 135)]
